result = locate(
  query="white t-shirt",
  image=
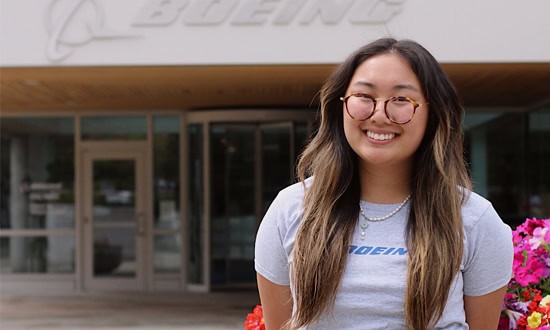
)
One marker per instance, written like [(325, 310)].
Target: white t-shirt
[(372, 289)]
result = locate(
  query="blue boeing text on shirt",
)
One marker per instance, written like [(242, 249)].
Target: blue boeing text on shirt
[(376, 250)]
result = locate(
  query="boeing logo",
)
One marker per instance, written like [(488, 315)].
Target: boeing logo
[(74, 23), (376, 250), (259, 12)]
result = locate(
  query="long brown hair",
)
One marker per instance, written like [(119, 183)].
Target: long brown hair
[(331, 204)]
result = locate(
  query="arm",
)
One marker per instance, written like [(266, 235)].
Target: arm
[(483, 312), (276, 303)]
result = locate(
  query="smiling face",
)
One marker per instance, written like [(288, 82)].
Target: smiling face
[(378, 141)]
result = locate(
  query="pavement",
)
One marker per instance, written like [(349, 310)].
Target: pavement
[(182, 310)]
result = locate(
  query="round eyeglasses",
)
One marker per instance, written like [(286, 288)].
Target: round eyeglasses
[(398, 109)]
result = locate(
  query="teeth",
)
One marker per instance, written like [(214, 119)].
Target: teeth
[(380, 137)]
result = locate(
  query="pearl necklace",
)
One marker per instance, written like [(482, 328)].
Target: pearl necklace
[(365, 223)]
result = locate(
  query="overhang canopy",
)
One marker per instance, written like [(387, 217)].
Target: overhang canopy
[(498, 86)]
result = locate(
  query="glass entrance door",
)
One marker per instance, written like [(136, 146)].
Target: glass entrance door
[(249, 164), (114, 221)]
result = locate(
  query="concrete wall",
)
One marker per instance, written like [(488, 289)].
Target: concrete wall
[(192, 32)]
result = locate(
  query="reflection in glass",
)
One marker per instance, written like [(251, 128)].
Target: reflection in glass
[(37, 254), (276, 162), (37, 173), (195, 237), (233, 214), (166, 172), (301, 138), (114, 128), (538, 160), (114, 252), (114, 191), (497, 149), (167, 257), (114, 218), (238, 201)]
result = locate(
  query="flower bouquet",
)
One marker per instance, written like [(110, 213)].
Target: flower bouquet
[(255, 320), (527, 301)]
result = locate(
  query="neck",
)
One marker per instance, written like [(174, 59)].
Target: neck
[(385, 184)]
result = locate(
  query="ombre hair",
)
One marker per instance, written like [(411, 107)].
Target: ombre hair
[(433, 234)]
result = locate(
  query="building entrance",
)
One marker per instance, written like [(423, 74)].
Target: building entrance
[(242, 159), (114, 223), (250, 163)]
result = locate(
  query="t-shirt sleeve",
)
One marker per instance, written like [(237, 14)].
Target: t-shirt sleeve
[(270, 256), (490, 255)]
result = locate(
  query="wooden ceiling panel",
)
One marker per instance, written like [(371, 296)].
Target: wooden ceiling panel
[(207, 87), (497, 85)]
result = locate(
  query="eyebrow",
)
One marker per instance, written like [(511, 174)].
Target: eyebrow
[(396, 87)]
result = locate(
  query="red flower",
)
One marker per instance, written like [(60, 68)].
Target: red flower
[(255, 320), (522, 322)]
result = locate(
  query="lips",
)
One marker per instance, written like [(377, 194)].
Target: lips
[(381, 136)]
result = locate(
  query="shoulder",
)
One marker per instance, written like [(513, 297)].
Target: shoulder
[(277, 233), (286, 208), (488, 248), (475, 209), (285, 212), (295, 192), (483, 227)]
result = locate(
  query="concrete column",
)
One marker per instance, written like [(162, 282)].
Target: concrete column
[(19, 205)]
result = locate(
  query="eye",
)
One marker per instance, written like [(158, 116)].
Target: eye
[(398, 100), (363, 95)]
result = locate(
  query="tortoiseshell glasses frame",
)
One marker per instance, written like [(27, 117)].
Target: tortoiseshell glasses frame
[(401, 109)]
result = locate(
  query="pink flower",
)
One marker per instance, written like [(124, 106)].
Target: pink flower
[(531, 224), (519, 258), (546, 261), (531, 279), (516, 237), (540, 236), (530, 274)]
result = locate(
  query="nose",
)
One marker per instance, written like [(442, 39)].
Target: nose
[(379, 115)]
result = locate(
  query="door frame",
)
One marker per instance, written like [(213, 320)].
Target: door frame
[(131, 150)]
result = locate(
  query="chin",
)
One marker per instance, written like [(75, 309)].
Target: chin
[(383, 159), (376, 160)]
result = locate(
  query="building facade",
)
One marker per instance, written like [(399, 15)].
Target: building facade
[(142, 141)]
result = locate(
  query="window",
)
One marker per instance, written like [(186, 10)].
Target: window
[(37, 194)]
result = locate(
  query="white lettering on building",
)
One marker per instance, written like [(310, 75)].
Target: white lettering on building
[(255, 12), (289, 12), (75, 23), (374, 11), (41, 193), (210, 12), (329, 11), (258, 12), (160, 12)]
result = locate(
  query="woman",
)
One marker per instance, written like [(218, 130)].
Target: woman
[(385, 234)]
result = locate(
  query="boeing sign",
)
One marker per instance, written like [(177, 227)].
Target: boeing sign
[(258, 12), (74, 23)]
